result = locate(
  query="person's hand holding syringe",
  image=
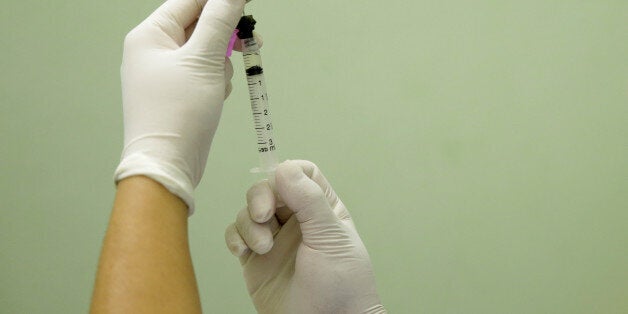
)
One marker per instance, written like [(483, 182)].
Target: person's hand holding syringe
[(304, 256)]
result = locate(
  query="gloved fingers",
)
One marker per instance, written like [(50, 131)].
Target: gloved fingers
[(258, 237), (283, 214), (174, 16), (228, 77), (228, 69), (313, 172), (321, 228), (258, 38), (236, 245), (215, 26), (190, 30), (261, 202), (287, 242), (305, 197), (238, 43), (228, 89)]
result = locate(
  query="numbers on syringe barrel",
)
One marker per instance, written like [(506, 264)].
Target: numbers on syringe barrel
[(262, 115)]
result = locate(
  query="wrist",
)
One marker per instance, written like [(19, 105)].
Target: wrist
[(170, 176)]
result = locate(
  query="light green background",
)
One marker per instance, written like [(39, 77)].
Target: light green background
[(481, 146)]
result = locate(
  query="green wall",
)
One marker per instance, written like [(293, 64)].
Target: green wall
[(481, 146)]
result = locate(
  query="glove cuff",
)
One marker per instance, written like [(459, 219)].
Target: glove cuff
[(173, 179)]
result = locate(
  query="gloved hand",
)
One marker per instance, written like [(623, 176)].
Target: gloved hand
[(307, 256), (175, 78)]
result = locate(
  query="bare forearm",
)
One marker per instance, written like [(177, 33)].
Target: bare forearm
[(145, 264)]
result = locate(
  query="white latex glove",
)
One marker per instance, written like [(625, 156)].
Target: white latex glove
[(175, 78), (306, 257)]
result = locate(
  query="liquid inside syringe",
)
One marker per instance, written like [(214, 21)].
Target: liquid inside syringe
[(262, 117)]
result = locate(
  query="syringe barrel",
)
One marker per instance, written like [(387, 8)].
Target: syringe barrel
[(260, 107), (262, 118)]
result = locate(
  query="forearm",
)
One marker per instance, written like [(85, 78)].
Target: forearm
[(145, 264)]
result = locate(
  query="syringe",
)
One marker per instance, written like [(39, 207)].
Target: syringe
[(262, 118)]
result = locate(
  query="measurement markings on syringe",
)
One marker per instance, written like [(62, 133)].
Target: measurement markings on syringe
[(262, 115)]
